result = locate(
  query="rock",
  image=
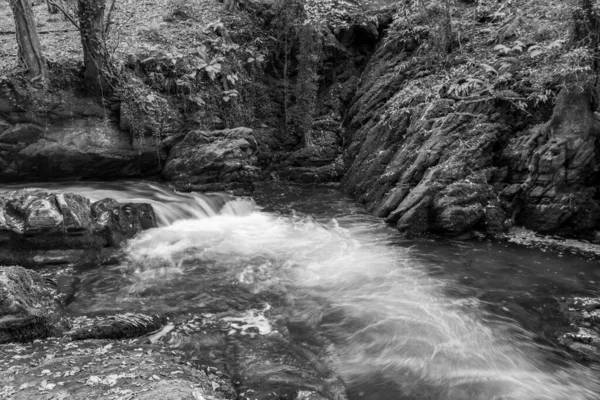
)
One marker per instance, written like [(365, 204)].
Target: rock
[(64, 257), (76, 138), (43, 219), (460, 206), (22, 133), (28, 308), (123, 326), (118, 222), (214, 160), (415, 221), (45, 227), (401, 147), (583, 317), (126, 371), (66, 286), (554, 168)]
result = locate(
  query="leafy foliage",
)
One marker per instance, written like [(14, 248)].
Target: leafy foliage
[(517, 51)]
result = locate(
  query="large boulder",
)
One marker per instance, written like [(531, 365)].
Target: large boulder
[(117, 222), (214, 161), (29, 309), (41, 227)]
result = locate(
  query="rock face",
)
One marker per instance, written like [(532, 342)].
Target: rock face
[(553, 169), (214, 160), (67, 137), (28, 308), (453, 165), (41, 227)]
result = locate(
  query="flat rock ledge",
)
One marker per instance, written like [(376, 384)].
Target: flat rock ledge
[(583, 336), (44, 227), (526, 237)]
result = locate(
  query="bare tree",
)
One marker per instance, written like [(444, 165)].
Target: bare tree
[(30, 50)]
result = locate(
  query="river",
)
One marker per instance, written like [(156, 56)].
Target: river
[(401, 319)]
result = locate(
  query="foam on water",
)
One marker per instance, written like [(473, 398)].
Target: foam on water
[(384, 313)]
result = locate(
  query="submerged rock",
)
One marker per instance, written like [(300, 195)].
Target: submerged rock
[(44, 227), (583, 316), (214, 160), (29, 309), (122, 326)]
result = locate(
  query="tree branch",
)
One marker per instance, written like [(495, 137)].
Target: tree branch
[(40, 32), (65, 13), (109, 18)]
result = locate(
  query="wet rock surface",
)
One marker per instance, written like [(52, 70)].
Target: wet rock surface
[(29, 309), (214, 160), (44, 227), (119, 222), (553, 169), (561, 245), (583, 336)]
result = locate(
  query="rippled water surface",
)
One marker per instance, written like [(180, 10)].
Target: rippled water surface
[(406, 319)]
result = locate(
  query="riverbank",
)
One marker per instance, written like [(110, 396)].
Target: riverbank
[(525, 237)]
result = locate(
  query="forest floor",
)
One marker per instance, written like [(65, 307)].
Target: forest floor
[(139, 27)]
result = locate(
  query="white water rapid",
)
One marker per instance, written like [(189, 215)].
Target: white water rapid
[(395, 330)]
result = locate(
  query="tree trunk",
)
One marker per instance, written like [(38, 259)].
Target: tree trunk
[(585, 32), (95, 55), (30, 50)]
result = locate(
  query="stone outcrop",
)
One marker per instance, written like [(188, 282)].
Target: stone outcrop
[(214, 161), (553, 169), (427, 167), (42, 227), (455, 166), (58, 135), (28, 307)]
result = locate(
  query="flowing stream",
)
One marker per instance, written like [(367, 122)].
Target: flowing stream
[(401, 319)]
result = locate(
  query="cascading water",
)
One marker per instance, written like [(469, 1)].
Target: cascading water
[(395, 326)]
